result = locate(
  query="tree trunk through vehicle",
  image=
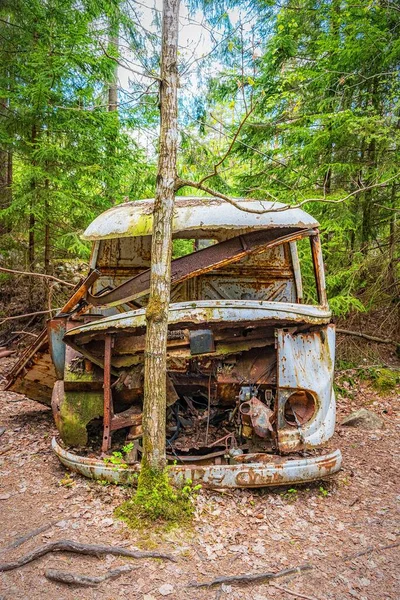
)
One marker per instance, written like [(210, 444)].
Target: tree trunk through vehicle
[(154, 406)]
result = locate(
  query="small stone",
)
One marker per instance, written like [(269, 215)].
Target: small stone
[(62, 524), (5, 496), (363, 418), (166, 589), (107, 522)]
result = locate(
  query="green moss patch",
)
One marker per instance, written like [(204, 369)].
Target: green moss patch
[(386, 380), (157, 501)]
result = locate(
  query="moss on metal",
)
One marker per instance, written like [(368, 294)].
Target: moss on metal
[(76, 411)]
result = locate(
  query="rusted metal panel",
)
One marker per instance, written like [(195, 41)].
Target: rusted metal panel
[(56, 329), (297, 271), (207, 311), (250, 475), (198, 263), (80, 292), (196, 217), (318, 263), (128, 253), (306, 362)]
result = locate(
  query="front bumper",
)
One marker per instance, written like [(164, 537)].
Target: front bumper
[(242, 475)]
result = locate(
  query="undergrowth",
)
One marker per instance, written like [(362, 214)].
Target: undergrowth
[(157, 501), (383, 379)]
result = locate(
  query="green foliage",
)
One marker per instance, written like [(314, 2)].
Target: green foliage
[(322, 82), (156, 500), (182, 247), (323, 493), (385, 380), (71, 156)]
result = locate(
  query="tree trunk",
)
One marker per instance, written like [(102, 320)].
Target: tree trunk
[(47, 257), (112, 185), (392, 242), (5, 175), (113, 44), (154, 407), (32, 219)]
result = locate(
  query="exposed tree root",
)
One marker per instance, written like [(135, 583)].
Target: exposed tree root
[(24, 538), (78, 548), (251, 577), (86, 580)]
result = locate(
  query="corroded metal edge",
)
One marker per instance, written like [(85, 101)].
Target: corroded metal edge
[(196, 215), (252, 475), (201, 311)]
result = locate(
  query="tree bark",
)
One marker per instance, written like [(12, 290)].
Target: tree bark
[(154, 406), (112, 183), (113, 45)]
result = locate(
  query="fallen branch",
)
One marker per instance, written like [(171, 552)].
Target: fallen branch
[(291, 592), (86, 580), (39, 312), (78, 548), (3, 270), (5, 353), (370, 550), (26, 333), (371, 338), (252, 577)]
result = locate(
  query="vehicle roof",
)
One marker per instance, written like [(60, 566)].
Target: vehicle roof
[(197, 217)]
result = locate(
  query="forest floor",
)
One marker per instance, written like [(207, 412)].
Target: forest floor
[(327, 523)]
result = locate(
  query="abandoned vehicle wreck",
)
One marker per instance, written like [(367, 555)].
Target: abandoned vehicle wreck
[(250, 350)]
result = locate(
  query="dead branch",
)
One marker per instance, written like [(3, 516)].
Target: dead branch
[(125, 66), (251, 577), (78, 548), (39, 312), (3, 270), (27, 332), (291, 592), (222, 159), (370, 550), (86, 580), (5, 353), (365, 336), (180, 183)]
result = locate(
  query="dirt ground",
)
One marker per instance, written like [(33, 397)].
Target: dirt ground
[(325, 524)]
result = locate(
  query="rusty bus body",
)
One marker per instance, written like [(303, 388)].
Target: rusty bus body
[(250, 364)]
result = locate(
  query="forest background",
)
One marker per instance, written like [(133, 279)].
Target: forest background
[(296, 101)]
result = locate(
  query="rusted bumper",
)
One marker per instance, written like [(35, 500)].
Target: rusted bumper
[(250, 475)]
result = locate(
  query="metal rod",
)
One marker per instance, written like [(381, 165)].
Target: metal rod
[(107, 395)]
